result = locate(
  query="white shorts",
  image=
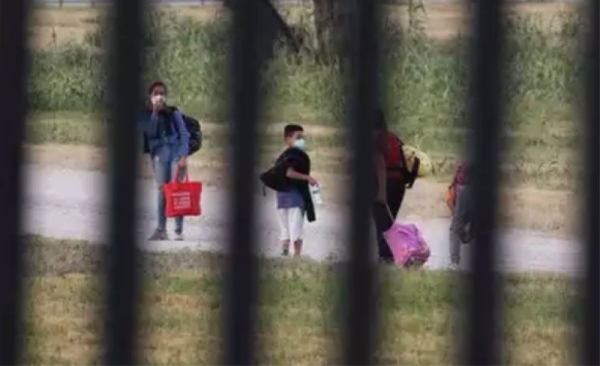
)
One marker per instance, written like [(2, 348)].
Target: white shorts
[(291, 223)]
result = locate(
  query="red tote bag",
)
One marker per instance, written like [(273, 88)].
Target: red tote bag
[(183, 199)]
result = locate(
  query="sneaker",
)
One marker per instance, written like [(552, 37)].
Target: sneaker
[(285, 252), (297, 249), (178, 236), (297, 253), (159, 235)]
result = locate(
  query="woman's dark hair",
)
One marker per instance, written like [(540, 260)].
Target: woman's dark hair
[(380, 143), (379, 120), (155, 85)]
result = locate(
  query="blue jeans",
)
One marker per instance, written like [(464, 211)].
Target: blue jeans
[(164, 172)]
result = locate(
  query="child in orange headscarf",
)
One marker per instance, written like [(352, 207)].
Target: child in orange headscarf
[(459, 202)]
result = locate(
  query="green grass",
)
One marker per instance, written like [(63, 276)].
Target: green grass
[(298, 305)]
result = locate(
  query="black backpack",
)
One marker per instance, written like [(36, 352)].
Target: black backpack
[(275, 178), (193, 127)]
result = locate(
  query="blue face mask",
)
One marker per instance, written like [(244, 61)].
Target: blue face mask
[(300, 144)]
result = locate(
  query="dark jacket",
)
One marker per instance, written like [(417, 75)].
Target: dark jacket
[(299, 161)]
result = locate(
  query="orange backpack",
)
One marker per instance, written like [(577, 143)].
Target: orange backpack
[(458, 179), (451, 197)]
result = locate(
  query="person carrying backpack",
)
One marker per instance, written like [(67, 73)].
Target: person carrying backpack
[(168, 141), (398, 176), (397, 179), (291, 178)]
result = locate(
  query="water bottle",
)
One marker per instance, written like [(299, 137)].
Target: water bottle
[(315, 191)]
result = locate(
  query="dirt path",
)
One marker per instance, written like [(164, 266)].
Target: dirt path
[(523, 207), (64, 203)]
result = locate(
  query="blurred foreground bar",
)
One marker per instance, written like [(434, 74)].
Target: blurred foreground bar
[(13, 99), (590, 326), (241, 285), (124, 93), (361, 317), (484, 284)]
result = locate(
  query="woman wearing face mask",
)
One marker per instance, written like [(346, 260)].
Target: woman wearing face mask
[(166, 139)]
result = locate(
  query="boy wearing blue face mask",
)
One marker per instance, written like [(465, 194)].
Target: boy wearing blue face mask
[(294, 200)]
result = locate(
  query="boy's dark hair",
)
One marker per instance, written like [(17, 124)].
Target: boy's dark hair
[(155, 85), (289, 130), (379, 120)]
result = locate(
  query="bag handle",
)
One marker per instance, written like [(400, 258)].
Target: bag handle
[(388, 212), (186, 179), (392, 218)]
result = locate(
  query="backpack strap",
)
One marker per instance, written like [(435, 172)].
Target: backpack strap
[(403, 167), (402, 155), (170, 111), (412, 175)]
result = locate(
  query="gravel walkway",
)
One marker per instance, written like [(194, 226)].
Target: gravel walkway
[(70, 204)]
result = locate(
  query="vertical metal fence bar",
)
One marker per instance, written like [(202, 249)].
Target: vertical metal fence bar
[(590, 332), (241, 285), (483, 342), (361, 317), (124, 93), (13, 100)]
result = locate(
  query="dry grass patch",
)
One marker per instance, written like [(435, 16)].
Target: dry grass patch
[(180, 316), (440, 21), (48, 25), (444, 21), (69, 327)]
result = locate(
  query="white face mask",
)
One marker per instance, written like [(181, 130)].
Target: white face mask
[(300, 144), (157, 99)]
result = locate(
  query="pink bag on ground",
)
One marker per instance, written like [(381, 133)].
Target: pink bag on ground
[(407, 245)]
